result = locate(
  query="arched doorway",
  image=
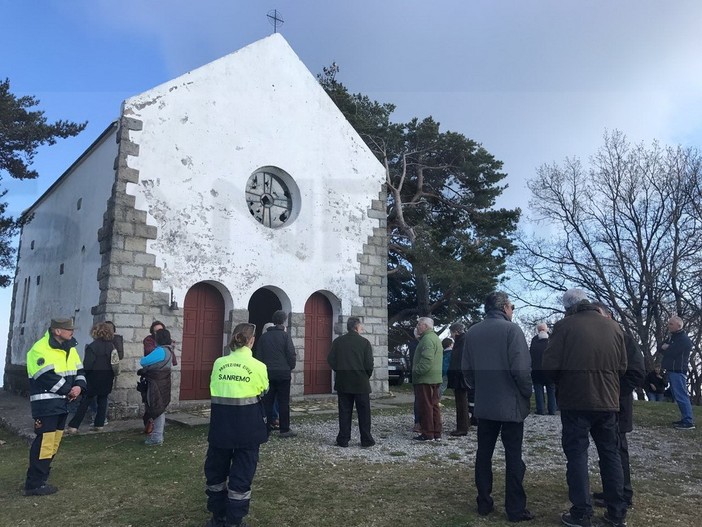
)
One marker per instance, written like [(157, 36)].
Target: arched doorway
[(262, 304), (203, 330), (318, 339)]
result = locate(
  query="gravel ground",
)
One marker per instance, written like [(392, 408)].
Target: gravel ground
[(541, 452)]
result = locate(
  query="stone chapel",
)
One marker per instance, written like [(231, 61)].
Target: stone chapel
[(216, 198)]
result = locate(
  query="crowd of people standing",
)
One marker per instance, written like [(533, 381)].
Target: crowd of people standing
[(587, 369)]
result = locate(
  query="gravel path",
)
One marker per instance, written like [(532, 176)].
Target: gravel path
[(542, 444)]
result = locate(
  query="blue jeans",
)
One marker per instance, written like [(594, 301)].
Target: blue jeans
[(653, 396), (550, 395), (678, 385), (604, 429), (156, 435)]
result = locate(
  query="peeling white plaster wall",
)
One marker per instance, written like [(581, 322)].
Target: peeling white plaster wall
[(206, 132), (62, 234)]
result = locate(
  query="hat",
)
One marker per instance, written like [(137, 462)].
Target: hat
[(62, 323)]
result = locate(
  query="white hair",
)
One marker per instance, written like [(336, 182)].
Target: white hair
[(427, 321), (573, 297)]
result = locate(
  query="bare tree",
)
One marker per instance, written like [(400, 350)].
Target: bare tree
[(628, 230)]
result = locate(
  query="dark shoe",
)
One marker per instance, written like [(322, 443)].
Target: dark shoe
[(216, 522), (44, 490), (342, 445), (612, 522), (368, 445), (485, 512), (598, 499), (275, 425), (525, 516), (457, 433), (474, 421), (684, 426), (568, 520), (422, 437), (242, 523), (289, 433)]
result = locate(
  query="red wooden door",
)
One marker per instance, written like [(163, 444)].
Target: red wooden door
[(203, 329), (318, 339)]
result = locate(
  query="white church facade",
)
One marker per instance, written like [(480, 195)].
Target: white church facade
[(218, 197)]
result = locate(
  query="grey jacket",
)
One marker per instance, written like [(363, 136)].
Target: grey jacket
[(496, 362)]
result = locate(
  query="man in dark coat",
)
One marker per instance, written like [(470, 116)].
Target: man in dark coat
[(457, 381), (633, 378), (276, 350), (586, 357), (351, 358), (676, 361), (496, 363), (538, 345)]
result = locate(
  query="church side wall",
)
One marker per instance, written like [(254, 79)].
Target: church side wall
[(58, 258)]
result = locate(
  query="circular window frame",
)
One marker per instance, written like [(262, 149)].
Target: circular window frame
[(255, 199)]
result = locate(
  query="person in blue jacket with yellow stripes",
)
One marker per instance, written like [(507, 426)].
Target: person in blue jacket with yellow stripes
[(56, 377), (237, 429)]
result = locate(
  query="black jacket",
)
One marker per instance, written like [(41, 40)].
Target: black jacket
[(633, 378), (351, 357), (659, 383), (536, 350), (677, 357), (275, 349), (456, 380), (98, 370)]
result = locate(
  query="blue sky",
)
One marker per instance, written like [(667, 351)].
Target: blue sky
[(534, 81)]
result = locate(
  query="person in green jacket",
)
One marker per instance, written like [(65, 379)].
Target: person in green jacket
[(426, 377)]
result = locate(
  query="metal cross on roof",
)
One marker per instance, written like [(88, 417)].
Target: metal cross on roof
[(274, 19)]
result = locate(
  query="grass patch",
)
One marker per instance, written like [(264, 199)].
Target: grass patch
[(112, 479)]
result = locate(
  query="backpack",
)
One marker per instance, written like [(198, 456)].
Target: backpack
[(114, 361)]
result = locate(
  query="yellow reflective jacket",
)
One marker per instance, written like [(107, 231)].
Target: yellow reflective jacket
[(237, 384), (52, 372)]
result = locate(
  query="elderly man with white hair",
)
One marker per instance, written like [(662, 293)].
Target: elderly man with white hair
[(586, 357), (426, 377), (676, 359)]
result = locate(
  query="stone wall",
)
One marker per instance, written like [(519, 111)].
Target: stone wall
[(372, 280), (126, 278)]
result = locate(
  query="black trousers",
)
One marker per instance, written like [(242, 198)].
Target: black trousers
[(626, 469), (83, 408), (462, 412), (362, 402), (512, 435), (603, 427), (228, 475), (280, 389), (49, 431)]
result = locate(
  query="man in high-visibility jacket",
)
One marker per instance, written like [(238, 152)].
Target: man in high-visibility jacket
[(56, 377), (237, 429)]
